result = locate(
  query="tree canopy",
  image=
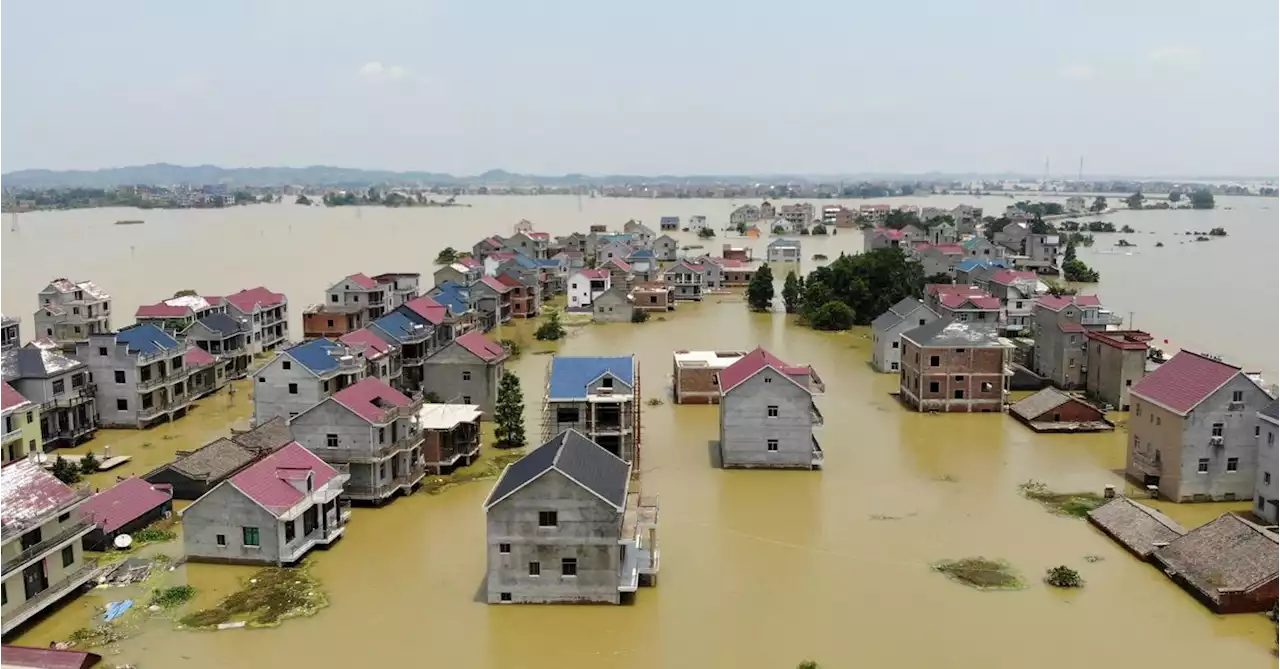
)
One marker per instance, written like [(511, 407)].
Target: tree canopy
[(760, 290), (1076, 271), (1202, 199), (792, 289), (1134, 201), (866, 285), (508, 414)]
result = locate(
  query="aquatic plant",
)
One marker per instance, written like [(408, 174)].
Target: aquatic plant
[(268, 597), (169, 598), (1076, 504), (639, 316), (512, 346), (1063, 576), (484, 469), (981, 573), (655, 402), (153, 534)]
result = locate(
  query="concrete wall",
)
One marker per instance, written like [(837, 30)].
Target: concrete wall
[(1265, 483), (311, 429), (611, 307), (588, 530), (886, 351), (1112, 371), (14, 590), (227, 511), (746, 426), (103, 369), (444, 375), (271, 396), (1060, 356)]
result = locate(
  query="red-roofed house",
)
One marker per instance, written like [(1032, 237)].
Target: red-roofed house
[(125, 508), (586, 285), (468, 370), (1192, 430), (767, 413), (1017, 292), (368, 427), (492, 300), (1059, 326), (486, 246), (267, 314), (686, 278), (178, 313), (29, 657), (382, 357), (206, 375), (271, 512), (523, 298), (964, 303)]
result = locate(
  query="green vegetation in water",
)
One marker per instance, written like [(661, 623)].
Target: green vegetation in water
[(1218, 232), (169, 598), (480, 471), (508, 414), (269, 597), (89, 464), (551, 329), (101, 635), (447, 255), (655, 402), (157, 532), (808, 664), (1093, 558), (1076, 504), (854, 290), (66, 471), (760, 290), (981, 573), (706, 233), (1063, 576), (512, 346)]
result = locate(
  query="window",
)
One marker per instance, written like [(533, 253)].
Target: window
[(69, 555), (64, 517), (959, 394), (1217, 429), (1233, 464), (331, 440), (772, 445), (505, 549), (504, 597), (1260, 503), (1271, 438), (1237, 396), (768, 379), (119, 376), (59, 386), (221, 539), (1203, 466), (1128, 382), (102, 351), (893, 366), (289, 531), (987, 386), (250, 536), (1266, 478), (1257, 430), (262, 379), (569, 567), (606, 382), (285, 364), (333, 298), (535, 569), (122, 405), (382, 435), (957, 378), (934, 361), (4, 591), (293, 389), (548, 519), (466, 375), (773, 411), (566, 415), (466, 399)]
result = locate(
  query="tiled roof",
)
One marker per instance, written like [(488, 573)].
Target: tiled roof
[(955, 301), (1053, 303), (370, 398), (1071, 327), (30, 657), (1271, 411), (1035, 405), (252, 298), (622, 264), (363, 280), (212, 461), (750, 364), (1122, 339), (495, 284), (481, 346), (1008, 277), (1181, 384), (400, 327), (268, 436), (317, 355), (428, 309), (950, 249), (469, 262), (576, 457), (162, 310), (641, 254), (146, 339), (1228, 553), (36, 362), (11, 399), (375, 346), (594, 273), (540, 235), (267, 481), (905, 307), (123, 503), (452, 296), (508, 280), (67, 286), (571, 375), (1137, 526), (197, 357), (222, 324), (28, 492)]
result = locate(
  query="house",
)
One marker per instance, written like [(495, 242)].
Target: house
[(597, 396), (612, 306), (694, 375), (978, 271), (617, 248), (720, 273), (10, 333), (954, 366), (450, 434), (299, 377), (783, 250), (140, 374), (653, 297), (124, 508), (938, 258), (875, 214), (685, 279), (458, 273), (879, 238), (1192, 430), (1017, 292), (271, 512), (555, 275), (522, 297), (698, 224), (799, 215), (751, 231), (712, 274), (29, 657), (70, 311), (642, 232), (982, 248), (177, 313), (1264, 487), (419, 328), (1229, 564), (1059, 326), (194, 473), (569, 504), (492, 300), (382, 359), (585, 285), (205, 375), (834, 215), (226, 339), (486, 246), (401, 286), (767, 413), (669, 223), (64, 398), (526, 244), (886, 332), (643, 266), (468, 369), (41, 528), (322, 320), (1115, 360), (942, 233), (1036, 251), (361, 293), (747, 213), (967, 218), (267, 314), (738, 253), (767, 211), (1051, 410), (1139, 528), (619, 271), (369, 428), (21, 424), (461, 316), (966, 304)]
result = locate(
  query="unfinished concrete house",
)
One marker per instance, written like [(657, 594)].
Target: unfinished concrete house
[(694, 375), (597, 396), (70, 311), (767, 414), (450, 435)]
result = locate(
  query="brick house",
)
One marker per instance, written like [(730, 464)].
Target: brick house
[(953, 366), (1229, 564)]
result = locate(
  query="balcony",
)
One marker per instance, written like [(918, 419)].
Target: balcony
[(46, 546), (12, 435), (1100, 318), (53, 593), (76, 397), (368, 455), (816, 415), (818, 458), (159, 408)]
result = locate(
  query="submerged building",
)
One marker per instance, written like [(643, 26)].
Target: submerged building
[(599, 397)]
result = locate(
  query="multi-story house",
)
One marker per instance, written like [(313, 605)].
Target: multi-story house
[(586, 285), (491, 299), (271, 512), (450, 434), (10, 334), (382, 358), (643, 233), (597, 396), (767, 414), (70, 311), (178, 313), (359, 291), (40, 541), (879, 238), (643, 266), (653, 297), (967, 218), (767, 211), (938, 258), (267, 314), (954, 366), (21, 427), (980, 247), (619, 271), (60, 387), (1193, 430), (1059, 326), (486, 246), (613, 306), (1035, 251), (522, 296), (797, 214), (1115, 360), (671, 223), (299, 377), (401, 286), (461, 316), (564, 525), (686, 279), (140, 375), (371, 428), (943, 232), (226, 339), (616, 248), (419, 329), (747, 213), (1017, 292), (783, 250), (962, 303), (468, 370), (666, 248), (1266, 496), (458, 273), (887, 329), (834, 215)]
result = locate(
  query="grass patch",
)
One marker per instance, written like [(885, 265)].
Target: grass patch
[(153, 534), (268, 597), (169, 598), (1075, 504), (486, 468), (981, 573)]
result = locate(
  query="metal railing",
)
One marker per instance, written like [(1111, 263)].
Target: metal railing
[(158, 408), (45, 545), (53, 592), (818, 419), (76, 397), (368, 455)]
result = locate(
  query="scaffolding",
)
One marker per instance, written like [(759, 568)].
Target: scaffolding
[(549, 422)]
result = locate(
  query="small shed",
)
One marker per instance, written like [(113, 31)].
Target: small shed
[(1052, 410), (1139, 528), (125, 508), (1229, 564)]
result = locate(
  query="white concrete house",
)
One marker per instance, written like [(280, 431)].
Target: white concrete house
[(586, 285), (1265, 489)]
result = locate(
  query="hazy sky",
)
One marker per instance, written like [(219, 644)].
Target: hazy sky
[(1170, 87)]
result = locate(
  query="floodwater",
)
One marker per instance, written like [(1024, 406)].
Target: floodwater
[(760, 568)]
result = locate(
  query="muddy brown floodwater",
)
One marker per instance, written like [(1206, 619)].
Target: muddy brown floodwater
[(760, 568)]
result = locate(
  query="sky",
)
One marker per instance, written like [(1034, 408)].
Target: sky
[(1140, 88)]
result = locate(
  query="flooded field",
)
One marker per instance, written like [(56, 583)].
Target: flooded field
[(760, 568)]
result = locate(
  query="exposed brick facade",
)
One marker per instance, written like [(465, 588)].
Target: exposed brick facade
[(962, 380)]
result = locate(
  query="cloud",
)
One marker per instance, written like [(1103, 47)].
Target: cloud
[(1076, 72), (1173, 54), (375, 71)]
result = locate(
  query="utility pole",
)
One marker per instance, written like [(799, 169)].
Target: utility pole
[(1080, 176)]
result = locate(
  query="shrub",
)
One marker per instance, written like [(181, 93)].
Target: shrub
[(833, 315), (1063, 576), (639, 316), (89, 464)]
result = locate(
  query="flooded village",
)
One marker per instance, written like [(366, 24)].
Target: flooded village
[(710, 468)]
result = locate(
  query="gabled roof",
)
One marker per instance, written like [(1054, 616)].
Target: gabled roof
[(899, 312), (510, 281), (452, 296), (957, 334), (682, 263), (221, 324), (124, 503), (400, 327), (642, 254), (572, 375), (197, 357), (64, 285), (375, 346), (212, 461), (469, 262), (252, 298), (36, 362), (363, 280), (426, 308), (1137, 526), (955, 301), (970, 264), (1271, 411), (27, 493), (1053, 303), (480, 346), (267, 480), (495, 284), (1228, 553), (622, 264), (579, 459), (593, 273), (1047, 399), (750, 364), (783, 241), (268, 436), (30, 657), (1008, 277), (370, 398), (11, 399), (146, 339), (1181, 384), (317, 355)]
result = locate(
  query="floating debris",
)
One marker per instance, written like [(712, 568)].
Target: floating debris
[(1075, 504), (1093, 558), (655, 402), (981, 573), (273, 595)]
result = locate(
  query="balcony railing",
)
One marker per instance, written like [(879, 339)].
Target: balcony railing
[(818, 419), (817, 458), (11, 435), (18, 561), (368, 455), (55, 591), (158, 408), (76, 397), (1105, 318)]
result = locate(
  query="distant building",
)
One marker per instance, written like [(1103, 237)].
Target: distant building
[(767, 414), (71, 311), (747, 213), (177, 313), (669, 223), (783, 250), (653, 297), (597, 396), (800, 213), (666, 248), (10, 335), (267, 315), (585, 285), (1265, 486), (954, 366), (468, 370), (685, 279)]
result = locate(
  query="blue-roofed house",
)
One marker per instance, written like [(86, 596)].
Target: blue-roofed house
[(420, 327), (461, 316), (140, 373), (226, 339), (978, 270), (299, 377), (669, 223), (598, 397), (644, 266)]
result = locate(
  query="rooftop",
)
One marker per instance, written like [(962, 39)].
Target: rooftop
[(1271, 410), (31, 362), (267, 480), (579, 459), (374, 346), (66, 286), (495, 284), (1054, 303), (1035, 405), (1007, 277), (371, 398), (1228, 553), (447, 416), (146, 339), (174, 307), (956, 334), (222, 324), (1123, 339), (197, 357), (11, 399), (708, 359), (319, 355), (481, 347), (29, 657), (268, 436), (123, 503), (594, 273), (401, 327), (750, 364), (572, 375), (363, 281), (255, 298), (1181, 384), (28, 493), (1137, 526), (427, 309)]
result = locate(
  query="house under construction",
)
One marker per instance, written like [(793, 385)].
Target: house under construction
[(599, 397)]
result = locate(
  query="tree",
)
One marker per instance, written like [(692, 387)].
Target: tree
[(779, 230), (792, 288), (832, 316), (868, 283), (64, 471), (940, 277), (741, 227), (818, 229), (1099, 205), (508, 413), (303, 200), (1202, 199), (186, 292), (1218, 232), (89, 464), (447, 255), (1058, 290), (1063, 576), (898, 219), (551, 329), (1039, 227), (1070, 253), (760, 290), (706, 233), (993, 226), (1175, 196), (639, 316), (1076, 271), (1134, 201)]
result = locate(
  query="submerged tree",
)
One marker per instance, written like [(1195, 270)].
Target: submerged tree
[(65, 471), (792, 288), (1202, 199), (551, 329), (447, 255), (508, 414), (760, 290), (89, 464), (1063, 576), (1099, 204)]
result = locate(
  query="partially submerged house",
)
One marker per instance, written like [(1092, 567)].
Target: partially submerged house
[(467, 370), (767, 414), (954, 366), (71, 311), (299, 377), (783, 250), (612, 306), (1229, 564), (563, 525), (694, 374), (1060, 326), (450, 434), (140, 374), (1051, 410), (1115, 360), (194, 473), (653, 297), (125, 508), (1138, 527), (1265, 483), (685, 279), (597, 396), (265, 312), (226, 339), (585, 286), (21, 429), (60, 387), (886, 332)]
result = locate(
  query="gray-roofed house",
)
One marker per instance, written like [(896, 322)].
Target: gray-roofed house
[(140, 376), (61, 387), (564, 526), (194, 473), (226, 339), (299, 377), (1139, 528), (1229, 564), (1051, 410), (886, 332), (1264, 492), (612, 306), (954, 366)]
